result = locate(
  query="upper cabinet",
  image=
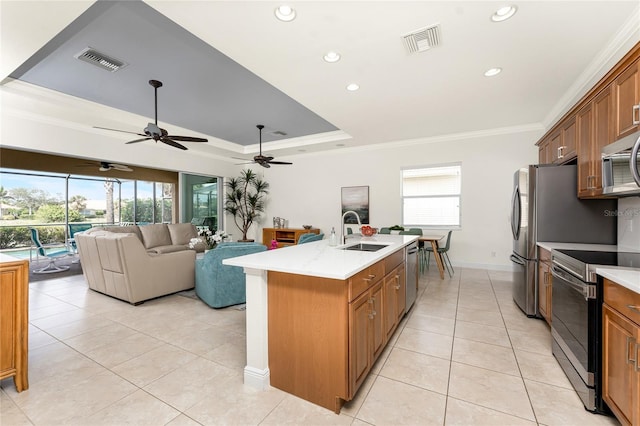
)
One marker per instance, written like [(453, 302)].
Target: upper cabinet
[(608, 112), (594, 131), (627, 101)]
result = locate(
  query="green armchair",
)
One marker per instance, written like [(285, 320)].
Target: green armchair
[(220, 285)]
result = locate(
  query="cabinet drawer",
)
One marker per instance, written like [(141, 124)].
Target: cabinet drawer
[(393, 260), (365, 278), (623, 300)]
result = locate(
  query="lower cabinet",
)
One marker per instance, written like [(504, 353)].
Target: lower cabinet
[(545, 282), (621, 352), (366, 335), (325, 334)]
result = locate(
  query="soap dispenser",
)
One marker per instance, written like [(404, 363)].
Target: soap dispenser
[(333, 238)]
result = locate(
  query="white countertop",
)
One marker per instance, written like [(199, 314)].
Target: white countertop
[(629, 278), (318, 259)]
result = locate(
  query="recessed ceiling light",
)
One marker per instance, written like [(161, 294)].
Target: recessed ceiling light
[(332, 56), (352, 87), (285, 13), (504, 13), (492, 71)]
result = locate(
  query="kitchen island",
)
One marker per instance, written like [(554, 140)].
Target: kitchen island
[(318, 316)]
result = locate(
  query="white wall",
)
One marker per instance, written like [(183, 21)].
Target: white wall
[(308, 192)]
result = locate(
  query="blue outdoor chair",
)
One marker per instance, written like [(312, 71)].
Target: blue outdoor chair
[(52, 256)]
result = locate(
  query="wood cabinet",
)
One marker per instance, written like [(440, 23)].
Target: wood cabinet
[(284, 236), (621, 352), (326, 334), (626, 98), (545, 282), (560, 146), (14, 320), (366, 334)]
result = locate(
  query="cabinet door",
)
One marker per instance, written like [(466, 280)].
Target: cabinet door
[(602, 135), (378, 336), (543, 152), (584, 127), (619, 378), (626, 96), (8, 326), (401, 291), (567, 150), (359, 340), (390, 304), (555, 144), (543, 280)]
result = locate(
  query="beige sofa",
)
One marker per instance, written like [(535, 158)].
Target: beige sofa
[(134, 263)]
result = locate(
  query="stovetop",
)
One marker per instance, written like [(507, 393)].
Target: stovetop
[(605, 258)]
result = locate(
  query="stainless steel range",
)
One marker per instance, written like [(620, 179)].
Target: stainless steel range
[(576, 324)]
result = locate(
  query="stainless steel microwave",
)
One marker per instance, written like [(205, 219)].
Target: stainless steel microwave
[(620, 167)]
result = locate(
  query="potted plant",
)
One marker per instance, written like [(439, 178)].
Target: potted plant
[(245, 199)]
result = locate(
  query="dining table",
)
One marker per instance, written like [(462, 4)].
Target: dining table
[(433, 240)]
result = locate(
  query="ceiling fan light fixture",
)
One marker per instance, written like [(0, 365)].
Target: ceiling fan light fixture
[(504, 13), (285, 13), (352, 87)]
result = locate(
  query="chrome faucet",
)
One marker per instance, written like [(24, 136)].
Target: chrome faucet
[(343, 238)]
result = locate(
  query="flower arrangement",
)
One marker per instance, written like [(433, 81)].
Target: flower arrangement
[(209, 238)]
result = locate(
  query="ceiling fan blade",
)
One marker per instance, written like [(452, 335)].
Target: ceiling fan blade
[(187, 138), (121, 131), (139, 140), (279, 162), (265, 164), (173, 143)]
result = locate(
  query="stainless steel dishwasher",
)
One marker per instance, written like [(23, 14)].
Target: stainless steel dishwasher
[(411, 275)]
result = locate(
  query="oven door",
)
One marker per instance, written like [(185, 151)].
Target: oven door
[(574, 329)]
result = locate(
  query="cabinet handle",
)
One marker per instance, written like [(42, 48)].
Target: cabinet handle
[(560, 152), (636, 115), (371, 277), (637, 349), (589, 180), (633, 360), (634, 307)]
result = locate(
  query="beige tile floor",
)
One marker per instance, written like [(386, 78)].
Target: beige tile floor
[(465, 355)]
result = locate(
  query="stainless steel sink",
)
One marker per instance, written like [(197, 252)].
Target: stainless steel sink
[(365, 247)]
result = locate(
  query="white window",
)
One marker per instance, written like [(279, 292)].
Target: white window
[(431, 196)]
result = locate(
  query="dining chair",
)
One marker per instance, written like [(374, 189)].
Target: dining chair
[(51, 256), (443, 251)]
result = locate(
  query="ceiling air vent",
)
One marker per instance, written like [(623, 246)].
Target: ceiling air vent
[(422, 39), (101, 60)]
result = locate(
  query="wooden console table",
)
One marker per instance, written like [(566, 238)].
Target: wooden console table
[(285, 236), (14, 320)]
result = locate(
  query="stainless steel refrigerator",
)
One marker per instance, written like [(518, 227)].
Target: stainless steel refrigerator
[(545, 207)]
